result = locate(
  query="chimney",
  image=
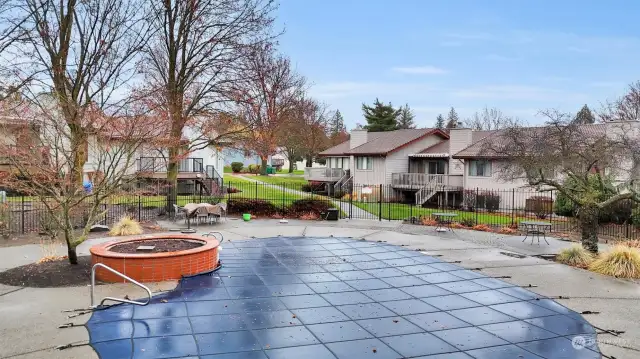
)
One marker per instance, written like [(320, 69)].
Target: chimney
[(459, 138), (358, 137)]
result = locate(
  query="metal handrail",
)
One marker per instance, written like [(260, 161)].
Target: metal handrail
[(120, 300), (212, 234)]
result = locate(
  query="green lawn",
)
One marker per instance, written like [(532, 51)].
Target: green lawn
[(227, 169), (401, 211), (293, 182), (295, 172), (252, 190)]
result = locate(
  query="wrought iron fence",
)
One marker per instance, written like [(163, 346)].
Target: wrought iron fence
[(493, 208)]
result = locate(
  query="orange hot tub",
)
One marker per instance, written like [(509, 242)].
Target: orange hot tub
[(156, 267)]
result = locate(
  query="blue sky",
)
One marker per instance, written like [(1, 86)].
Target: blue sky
[(518, 56)]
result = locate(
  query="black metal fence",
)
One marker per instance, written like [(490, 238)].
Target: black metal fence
[(294, 198)]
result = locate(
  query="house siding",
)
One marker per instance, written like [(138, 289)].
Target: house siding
[(458, 140), (398, 161), (510, 197), (377, 175)]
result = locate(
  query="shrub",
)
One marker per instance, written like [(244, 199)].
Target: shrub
[(315, 187), (481, 227), (541, 206), (619, 261), (236, 167), (311, 216), (468, 222), (563, 206), (618, 213), (255, 169), (233, 190), (489, 201), (507, 230), (469, 199), (338, 194), (127, 226), (257, 207), (575, 256), (305, 206), (426, 221), (632, 244)]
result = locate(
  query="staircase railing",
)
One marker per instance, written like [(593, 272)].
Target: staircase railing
[(424, 194), (338, 185), (347, 185)]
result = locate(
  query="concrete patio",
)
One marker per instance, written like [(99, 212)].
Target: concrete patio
[(31, 316)]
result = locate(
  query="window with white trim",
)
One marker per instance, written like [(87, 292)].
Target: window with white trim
[(480, 168), (364, 163)]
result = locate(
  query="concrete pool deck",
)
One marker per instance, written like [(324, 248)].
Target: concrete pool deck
[(31, 316)]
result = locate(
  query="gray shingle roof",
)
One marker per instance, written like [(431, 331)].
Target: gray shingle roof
[(381, 143), (475, 149)]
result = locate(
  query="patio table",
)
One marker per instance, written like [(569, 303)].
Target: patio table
[(536, 228), (444, 221)]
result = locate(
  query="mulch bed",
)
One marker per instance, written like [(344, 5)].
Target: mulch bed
[(161, 246), (58, 273)]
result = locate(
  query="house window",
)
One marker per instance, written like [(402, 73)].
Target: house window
[(480, 168), (364, 163), (436, 167)]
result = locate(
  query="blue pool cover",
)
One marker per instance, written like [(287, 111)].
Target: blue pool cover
[(323, 298)]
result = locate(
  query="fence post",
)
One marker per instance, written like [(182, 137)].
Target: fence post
[(228, 192), (389, 202), (140, 208), (256, 191), (22, 213), (411, 206), (380, 204), (476, 206), (513, 206), (284, 186), (350, 202)]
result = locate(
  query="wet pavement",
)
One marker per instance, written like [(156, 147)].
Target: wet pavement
[(302, 297)]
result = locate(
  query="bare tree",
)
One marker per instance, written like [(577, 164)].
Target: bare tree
[(192, 62), (38, 148), (626, 108), (488, 119), (82, 53), (267, 99), (592, 165)]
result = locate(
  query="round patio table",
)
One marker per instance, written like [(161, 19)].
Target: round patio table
[(536, 228)]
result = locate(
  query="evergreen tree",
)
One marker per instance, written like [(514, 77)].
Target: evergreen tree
[(452, 119), (440, 122), (380, 117), (584, 116), (406, 118), (336, 124)]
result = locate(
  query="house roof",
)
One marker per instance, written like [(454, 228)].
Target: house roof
[(440, 149), (475, 149), (382, 143)]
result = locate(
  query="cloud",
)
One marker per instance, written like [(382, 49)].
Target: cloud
[(344, 89), (420, 70), (517, 92)]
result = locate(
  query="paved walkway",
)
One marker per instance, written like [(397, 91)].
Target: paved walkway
[(30, 316), (356, 211)]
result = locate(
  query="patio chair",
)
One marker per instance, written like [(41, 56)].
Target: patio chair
[(202, 213), (223, 212), (178, 212)]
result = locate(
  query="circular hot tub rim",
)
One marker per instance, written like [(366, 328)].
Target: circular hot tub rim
[(102, 250)]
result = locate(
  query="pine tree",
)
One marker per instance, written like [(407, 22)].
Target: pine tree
[(406, 118), (452, 119), (380, 117), (440, 122), (336, 124), (584, 116)]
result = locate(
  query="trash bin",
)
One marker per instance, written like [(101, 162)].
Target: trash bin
[(271, 170), (332, 214)]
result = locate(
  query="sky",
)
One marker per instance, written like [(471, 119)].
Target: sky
[(518, 56)]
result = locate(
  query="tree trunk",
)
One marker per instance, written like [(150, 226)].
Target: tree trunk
[(172, 179), (309, 162), (291, 163), (588, 219), (71, 249), (79, 146), (263, 167)]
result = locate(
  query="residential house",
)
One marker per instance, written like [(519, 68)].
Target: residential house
[(421, 165)]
